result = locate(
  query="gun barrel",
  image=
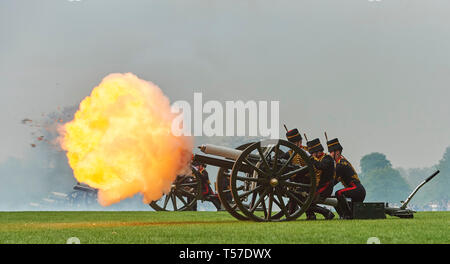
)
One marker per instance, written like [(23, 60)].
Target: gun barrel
[(417, 188), (225, 152), (432, 176), (228, 153), (231, 155)]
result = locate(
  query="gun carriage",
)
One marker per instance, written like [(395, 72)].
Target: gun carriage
[(254, 182), (259, 181)]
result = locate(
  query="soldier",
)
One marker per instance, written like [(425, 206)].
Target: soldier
[(324, 167), (346, 174), (226, 185), (206, 189), (294, 136)]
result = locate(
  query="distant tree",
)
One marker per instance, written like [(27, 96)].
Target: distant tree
[(440, 185), (385, 185), (382, 182), (373, 161), (436, 191), (415, 176)]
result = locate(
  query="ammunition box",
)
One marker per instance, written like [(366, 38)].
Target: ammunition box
[(368, 211)]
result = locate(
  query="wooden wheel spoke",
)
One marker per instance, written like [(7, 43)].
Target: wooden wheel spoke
[(296, 184), (295, 192), (252, 202), (260, 199), (191, 184), (166, 200), (174, 201), (260, 172), (276, 202), (263, 205), (292, 173), (240, 188), (182, 179), (287, 163), (257, 189), (269, 210), (187, 193), (242, 178), (281, 203), (294, 197), (181, 198), (261, 154), (275, 159)]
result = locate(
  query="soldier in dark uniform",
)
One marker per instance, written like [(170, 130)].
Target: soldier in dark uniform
[(226, 185), (206, 189), (346, 174), (294, 136), (324, 167)]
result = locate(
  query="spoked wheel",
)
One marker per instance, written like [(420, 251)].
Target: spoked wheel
[(272, 183), (182, 196), (224, 191)]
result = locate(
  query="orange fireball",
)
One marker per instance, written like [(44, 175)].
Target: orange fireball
[(121, 143)]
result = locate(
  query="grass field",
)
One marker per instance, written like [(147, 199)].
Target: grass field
[(213, 227)]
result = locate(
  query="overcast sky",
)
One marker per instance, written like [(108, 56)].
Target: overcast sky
[(374, 74)]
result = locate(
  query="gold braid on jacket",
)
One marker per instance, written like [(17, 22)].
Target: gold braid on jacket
[(297, 160), (319, 172)]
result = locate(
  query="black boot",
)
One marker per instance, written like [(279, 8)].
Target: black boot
[(215, 200), (310, 215), (292, 206), (327, 214), (344, 207), (339, 211)]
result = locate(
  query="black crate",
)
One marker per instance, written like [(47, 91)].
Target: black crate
[(368, 211)]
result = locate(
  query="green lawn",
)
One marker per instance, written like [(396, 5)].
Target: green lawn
[(213, 227)]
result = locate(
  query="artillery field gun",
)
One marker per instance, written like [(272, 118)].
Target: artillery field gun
[(257, 181)]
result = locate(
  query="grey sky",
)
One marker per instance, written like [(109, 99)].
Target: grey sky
[(374, 74)]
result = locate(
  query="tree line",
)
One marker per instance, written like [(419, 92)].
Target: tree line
[(385, 183)]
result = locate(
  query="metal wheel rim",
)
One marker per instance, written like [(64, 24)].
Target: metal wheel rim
[(232, 209)]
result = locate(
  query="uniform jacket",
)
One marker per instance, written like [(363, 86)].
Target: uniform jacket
[(325, 169), (345, 173)]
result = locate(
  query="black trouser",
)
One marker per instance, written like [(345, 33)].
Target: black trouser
[(209, 195), (323, 191), (356, 192), (216, 201)]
